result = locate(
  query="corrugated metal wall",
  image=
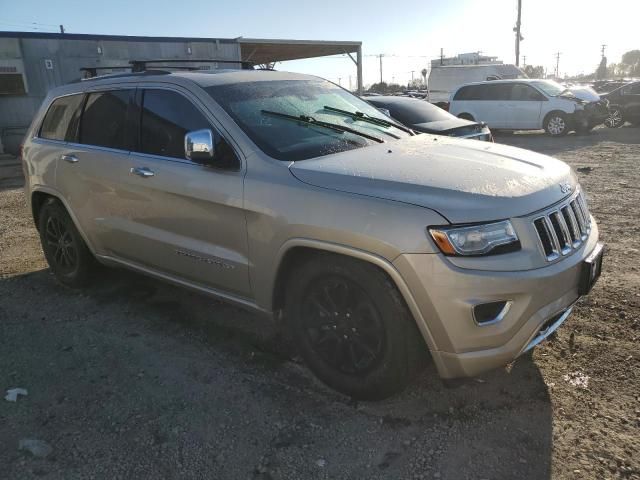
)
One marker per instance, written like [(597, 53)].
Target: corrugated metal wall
[(49, 62)]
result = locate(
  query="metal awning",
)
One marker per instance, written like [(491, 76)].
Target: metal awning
[(265, 51)]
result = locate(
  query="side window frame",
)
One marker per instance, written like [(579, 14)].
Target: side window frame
[(138, 110)]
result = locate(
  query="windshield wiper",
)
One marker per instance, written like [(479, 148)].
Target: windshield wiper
[(366, 118), (331, 126)]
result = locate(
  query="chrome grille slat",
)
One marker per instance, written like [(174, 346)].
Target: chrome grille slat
[(567, 244), (567, 211), (579, 215), (552, 235), (564, 228)]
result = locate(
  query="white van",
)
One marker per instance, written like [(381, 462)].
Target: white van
[(445, 80), (526, 104)]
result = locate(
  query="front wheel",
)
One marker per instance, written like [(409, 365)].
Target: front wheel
[(68, 256), (556, 124), (615, 119), (352, 327)]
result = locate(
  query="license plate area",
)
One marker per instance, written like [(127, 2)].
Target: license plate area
[(591, 269)]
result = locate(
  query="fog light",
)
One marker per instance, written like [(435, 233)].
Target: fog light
[(489, 313)]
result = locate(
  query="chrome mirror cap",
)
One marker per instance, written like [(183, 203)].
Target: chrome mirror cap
[(198, 146)]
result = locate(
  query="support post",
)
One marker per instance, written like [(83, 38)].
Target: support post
[(359, 69)]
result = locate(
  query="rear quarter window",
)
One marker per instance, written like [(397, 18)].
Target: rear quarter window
[(61, 119)]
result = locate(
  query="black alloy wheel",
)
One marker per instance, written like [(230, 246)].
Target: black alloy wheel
[(63, 251), (343, 325)]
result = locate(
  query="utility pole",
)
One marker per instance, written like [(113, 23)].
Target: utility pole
[(517, 30), (340, 81), (558, 64), (524, 60), (441, 56), (603, 49), (62, 29), (380, 58)]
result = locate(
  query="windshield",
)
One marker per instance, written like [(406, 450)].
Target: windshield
[(551, 88), (412, 111), (284, 139)]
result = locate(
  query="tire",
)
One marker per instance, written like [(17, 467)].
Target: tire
[(556, 124), (615, 119), (352, 327), (64, 248), (466, 116)]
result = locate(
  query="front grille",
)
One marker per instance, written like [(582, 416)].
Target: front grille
[(563, 229)]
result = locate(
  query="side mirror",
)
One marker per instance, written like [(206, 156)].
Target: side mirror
[(385, 111), (198, 146)]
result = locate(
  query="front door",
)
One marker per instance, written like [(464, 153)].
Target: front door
[(177, 217)]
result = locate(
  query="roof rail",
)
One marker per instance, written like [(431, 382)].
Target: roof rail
[(91, 73), (141, 65)]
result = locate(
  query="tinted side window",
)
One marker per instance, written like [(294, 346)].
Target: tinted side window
[(470, 92), (104, 119), (61, 120), (497, 91), (462, 94), (166, 117)]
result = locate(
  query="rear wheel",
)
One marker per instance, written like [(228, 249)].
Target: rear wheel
[(352, 327), (615, 119), (68, 256), (556, 124), (466, 116)]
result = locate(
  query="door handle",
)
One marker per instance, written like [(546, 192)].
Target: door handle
[(143, 172), (69, 158)]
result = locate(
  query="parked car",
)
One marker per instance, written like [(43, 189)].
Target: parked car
[(285, 193), (424, 117), (624, 105), (527, 104)]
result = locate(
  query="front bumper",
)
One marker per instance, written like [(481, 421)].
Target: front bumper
[(593, 114), (541, 299)]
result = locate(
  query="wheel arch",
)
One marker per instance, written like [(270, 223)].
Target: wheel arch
[(296, 250), (39, 196), (466, 116), (551, 112)]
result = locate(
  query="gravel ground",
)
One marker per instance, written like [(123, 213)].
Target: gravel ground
[(131, 378)]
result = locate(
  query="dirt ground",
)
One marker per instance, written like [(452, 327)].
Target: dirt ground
[(131, 378)]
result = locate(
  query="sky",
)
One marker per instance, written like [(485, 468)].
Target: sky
[(409, 34)]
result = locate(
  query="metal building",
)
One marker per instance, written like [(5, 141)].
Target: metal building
[(31, 63)]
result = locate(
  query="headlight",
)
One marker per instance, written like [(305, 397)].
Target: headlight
[(489, 238)]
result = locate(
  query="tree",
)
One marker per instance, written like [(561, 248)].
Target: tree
[(384, 87), (601, 72), (534, 72), (632, 57), (630, 64)]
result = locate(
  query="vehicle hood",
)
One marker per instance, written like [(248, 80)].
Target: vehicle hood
[(442, 125), (586, 94), (463, 180)]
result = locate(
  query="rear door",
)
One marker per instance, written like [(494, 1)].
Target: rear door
[(494, 106), (175, 216), (88, 168)]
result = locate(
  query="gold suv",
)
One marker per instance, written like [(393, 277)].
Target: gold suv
[(286, 193)]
